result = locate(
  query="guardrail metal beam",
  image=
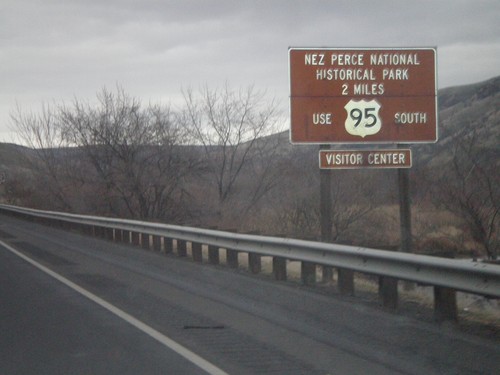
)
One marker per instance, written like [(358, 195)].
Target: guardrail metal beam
[(446, 274)]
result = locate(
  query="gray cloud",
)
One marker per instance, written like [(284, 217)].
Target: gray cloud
[(54, 50)]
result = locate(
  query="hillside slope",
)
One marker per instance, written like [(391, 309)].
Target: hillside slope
[(462, 110)]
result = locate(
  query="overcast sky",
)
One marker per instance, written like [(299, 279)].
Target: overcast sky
[(55, 50)]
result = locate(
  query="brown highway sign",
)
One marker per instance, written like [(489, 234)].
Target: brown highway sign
[(351, 159), (363, 95)]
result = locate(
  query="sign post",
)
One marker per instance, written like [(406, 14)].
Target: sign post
[(325, 211)]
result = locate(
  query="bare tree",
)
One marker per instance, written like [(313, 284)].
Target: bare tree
[(126, 158), (42, 133), (351, 203), (265, 169), (134, 153), (470, 188), (231, 127)]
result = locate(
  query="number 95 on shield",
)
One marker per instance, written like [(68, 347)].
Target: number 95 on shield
[(363, 117)]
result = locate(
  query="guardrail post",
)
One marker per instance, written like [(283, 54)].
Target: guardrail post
[(388, 292), (325, 191), (232, 255), (136, 238), (213, 254), (254, 259), (181, 248), (213, 251), (346, 281), (126, 236), (327, 274), (308, 273), (279, 268), (110, 234), (196, 249), (88, 230), (445, 299), (145, 241), (80, 228), (118, 235), (445, 304), (77, 227), (156, 243), (254, 263), (103, 233), (168, 243), (232, 258)]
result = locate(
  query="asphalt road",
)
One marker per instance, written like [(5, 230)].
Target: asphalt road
[(71, 304)]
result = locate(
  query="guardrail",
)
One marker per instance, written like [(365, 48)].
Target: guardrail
[(445, 275)]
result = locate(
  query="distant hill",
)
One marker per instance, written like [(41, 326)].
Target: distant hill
[(12, 158), (461, 110), (451, 96)]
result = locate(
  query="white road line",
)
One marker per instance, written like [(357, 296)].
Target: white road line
[(166, 341)]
